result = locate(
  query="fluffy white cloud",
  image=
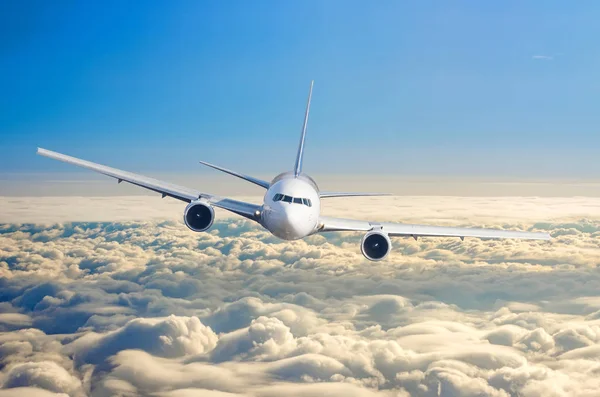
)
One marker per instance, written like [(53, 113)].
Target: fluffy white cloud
[(150, 308), (46, 375), (29, 392), (164, 337), (10, 321)]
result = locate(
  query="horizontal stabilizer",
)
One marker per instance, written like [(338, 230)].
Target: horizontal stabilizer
[(256, 181), (349, 194)]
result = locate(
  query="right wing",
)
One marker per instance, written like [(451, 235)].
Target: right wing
[(247, 210), (327, 224)]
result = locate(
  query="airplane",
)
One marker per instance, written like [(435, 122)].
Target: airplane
[(291, 207)]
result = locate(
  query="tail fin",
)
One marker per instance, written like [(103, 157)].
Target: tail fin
[(298, 167)]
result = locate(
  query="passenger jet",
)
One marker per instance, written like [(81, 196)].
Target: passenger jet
[(291, 207)]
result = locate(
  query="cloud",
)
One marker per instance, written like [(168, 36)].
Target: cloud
[(149, 308), (46, 375), (9, 321), (163, 337), (194, 392), (543, 57), (29, 392)]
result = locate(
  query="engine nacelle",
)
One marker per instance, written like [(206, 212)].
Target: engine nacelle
[(375, 245), (198, 216)]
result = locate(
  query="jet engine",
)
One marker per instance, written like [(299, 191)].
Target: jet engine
[(375, 245), (198, 216)]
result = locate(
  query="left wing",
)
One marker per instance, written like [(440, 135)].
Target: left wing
[(247, 210), (327, 224)]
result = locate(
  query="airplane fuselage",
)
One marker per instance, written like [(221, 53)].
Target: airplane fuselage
[(291, 206)]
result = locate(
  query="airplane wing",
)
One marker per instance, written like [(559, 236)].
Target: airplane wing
[(247, 210), (327, 224)]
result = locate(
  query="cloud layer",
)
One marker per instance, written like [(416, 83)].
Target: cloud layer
[(150, 308)]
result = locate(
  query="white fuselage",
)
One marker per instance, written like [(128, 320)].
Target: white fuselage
[(291, 207)]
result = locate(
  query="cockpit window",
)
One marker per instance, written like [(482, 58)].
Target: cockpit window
[(295, 200)]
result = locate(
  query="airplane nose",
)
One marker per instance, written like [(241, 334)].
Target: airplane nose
[(291, 215), (295, 221)]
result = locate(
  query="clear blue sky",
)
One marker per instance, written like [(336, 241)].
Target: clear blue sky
[(407, 86)]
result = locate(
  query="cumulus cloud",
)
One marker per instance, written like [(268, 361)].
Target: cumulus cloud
[(147, 307), (10, 321), (46, 375), (164, 337), (29, 392)]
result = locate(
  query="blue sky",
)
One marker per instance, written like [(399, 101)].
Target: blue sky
[(498, 88)]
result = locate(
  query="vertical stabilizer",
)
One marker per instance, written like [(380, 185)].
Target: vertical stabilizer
[(298, 167)]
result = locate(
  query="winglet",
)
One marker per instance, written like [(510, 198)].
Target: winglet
[(298, 167)]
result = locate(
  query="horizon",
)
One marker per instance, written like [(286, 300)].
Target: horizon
[(87, 183)]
